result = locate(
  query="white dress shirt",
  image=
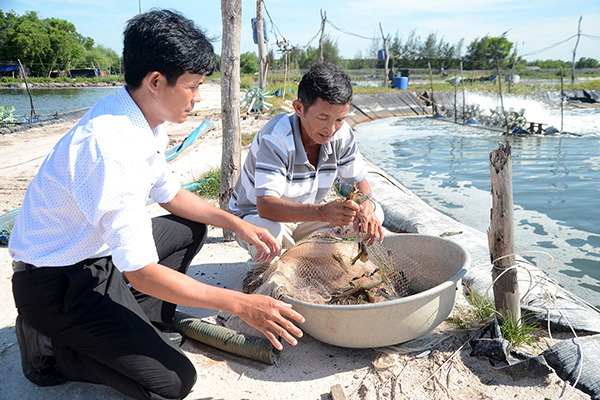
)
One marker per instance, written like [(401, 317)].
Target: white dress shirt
[(88, 198)]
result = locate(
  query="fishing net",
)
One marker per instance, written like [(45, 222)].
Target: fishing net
[(333, 266)]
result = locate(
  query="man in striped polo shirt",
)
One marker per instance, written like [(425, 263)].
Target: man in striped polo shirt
[(294, 160)]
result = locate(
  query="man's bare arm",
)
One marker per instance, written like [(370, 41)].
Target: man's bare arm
[(338, 212), (270, 316)]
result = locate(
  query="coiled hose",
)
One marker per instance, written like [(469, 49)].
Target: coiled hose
[(249, 346)]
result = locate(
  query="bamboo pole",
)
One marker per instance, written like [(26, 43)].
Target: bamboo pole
[(231, 12), (431, 80), (501, 235)]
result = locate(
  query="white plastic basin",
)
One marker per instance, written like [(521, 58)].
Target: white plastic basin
[(441, 264)]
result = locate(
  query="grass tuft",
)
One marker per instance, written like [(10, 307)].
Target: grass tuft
[(211, 180), (519, 332)]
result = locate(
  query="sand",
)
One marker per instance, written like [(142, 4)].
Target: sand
[(306, 371)]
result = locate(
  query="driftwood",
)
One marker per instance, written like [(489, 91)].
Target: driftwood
[(231, 11), (501, 235)]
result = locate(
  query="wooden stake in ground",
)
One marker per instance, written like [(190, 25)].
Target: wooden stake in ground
[(462, 80), (27, 87), (431, 80), (387, 56), (231, 160), (323, 22), (260, 39), (501, 235)]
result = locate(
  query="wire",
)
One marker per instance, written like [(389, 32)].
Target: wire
[(591, 36), (347, 32), (547, 48)]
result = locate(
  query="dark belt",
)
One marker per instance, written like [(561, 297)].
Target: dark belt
[(19, 266)]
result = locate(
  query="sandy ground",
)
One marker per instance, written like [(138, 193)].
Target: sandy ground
[(307, 371)]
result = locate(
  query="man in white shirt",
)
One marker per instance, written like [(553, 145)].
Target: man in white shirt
[(95, 278)]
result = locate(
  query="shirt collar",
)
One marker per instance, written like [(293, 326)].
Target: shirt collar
[(139, 120)]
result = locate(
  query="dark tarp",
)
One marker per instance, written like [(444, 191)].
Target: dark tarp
[(578, 360)]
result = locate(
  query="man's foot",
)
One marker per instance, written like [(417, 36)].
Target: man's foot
[(176, 337), (39, 369), (254, 278)]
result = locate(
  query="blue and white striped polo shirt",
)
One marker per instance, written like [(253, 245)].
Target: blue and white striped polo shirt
[(277, 166)]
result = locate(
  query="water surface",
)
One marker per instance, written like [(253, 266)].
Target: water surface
[(556, 183)]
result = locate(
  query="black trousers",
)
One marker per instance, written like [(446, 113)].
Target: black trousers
[(102, 330)]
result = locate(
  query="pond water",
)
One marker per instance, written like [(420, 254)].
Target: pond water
[(50, 101), (556, 183)]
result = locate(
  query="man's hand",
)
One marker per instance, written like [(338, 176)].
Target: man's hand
[(272, 317), (367, 222), (266, 245), (339, 212)]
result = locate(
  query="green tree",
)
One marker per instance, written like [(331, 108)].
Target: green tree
[(47, 44), (248, 63), (551, 64), (331, 53), (66, 45), (270, 58), (482, 53), (587, 63)]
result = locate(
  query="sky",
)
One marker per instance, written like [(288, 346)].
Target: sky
[(537, 27)]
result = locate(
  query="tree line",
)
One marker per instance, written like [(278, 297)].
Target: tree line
[(414, 52), (49, 44)]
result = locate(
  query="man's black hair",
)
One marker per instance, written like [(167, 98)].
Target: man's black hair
[(167, 42), (327, 82)]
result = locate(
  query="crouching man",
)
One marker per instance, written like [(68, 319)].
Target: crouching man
[(96, 280), (294, 160)]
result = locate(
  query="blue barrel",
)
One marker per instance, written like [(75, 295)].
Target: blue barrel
[(400, 82)]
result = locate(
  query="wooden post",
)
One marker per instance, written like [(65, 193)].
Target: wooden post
[(323, 21), (431, 80), (231, 12), (387, 56), (260, 38), (574, 51), (512, 73), (455, 89), (501, 235), (501, 99), (462, 79), (27, 87), (562, 96)]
